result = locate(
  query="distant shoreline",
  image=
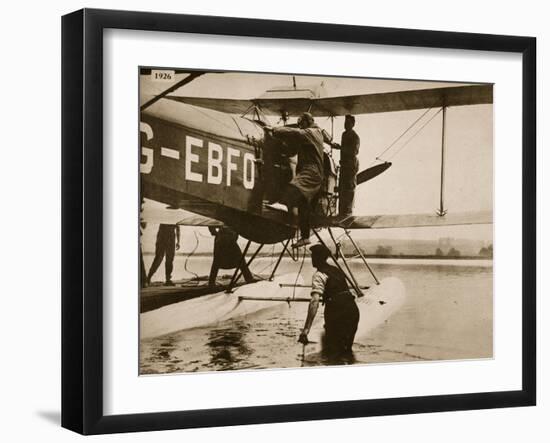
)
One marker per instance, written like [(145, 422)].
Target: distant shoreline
[(393, 257)]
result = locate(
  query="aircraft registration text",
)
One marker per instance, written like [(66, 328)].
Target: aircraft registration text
[(201, 160)]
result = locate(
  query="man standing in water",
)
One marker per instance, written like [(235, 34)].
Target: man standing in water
[(168, 242), (304, 187), (349, 165), (341, 313)]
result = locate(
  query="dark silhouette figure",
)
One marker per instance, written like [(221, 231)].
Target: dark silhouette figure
[(227, 254), (168, 241)]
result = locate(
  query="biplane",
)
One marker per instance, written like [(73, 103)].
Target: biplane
[(211, 163)]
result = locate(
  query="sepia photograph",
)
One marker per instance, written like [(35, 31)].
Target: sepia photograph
[(292, 220)]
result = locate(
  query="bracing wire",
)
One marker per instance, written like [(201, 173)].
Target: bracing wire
[(270, 264), (379, 156), (415, 134)]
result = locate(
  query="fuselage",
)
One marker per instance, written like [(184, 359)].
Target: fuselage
[(207, 162)]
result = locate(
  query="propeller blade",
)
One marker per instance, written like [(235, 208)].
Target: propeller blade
[(370, 173)]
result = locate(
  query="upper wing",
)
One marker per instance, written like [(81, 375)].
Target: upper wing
[(269, 106), (403, 100), (229, 105), (352, 104), (415, 220)]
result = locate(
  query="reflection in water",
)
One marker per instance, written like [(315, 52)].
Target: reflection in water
[(327, 359), (163, 354), (227, 346)]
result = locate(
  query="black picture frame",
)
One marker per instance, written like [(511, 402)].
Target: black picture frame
[(82, 220)]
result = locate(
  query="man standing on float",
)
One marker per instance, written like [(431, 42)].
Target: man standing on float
[(349, 165)]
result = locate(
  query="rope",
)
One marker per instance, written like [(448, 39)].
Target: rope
[(189, 256), (269, 264), (415, 134), (378, 157)]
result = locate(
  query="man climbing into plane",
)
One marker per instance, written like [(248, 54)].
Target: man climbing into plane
[(341, 313), (302, 190)]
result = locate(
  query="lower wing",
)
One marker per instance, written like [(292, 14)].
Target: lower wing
[(154, 212), (415, 220)]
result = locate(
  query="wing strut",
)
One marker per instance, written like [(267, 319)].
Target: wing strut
[(342, 256), (361, 255), (335, 260), (238, 269), (285, 249), (442, 211)]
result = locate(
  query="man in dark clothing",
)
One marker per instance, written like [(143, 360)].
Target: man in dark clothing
[(341, 313), (349, 165), (227, 254), (302, 190), (168, 241)]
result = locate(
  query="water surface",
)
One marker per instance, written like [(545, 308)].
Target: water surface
[(448, 314)]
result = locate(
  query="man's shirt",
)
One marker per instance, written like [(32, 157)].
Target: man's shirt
[(318, 283)]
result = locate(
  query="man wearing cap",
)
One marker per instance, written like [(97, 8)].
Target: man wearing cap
[(349, 165), (341, 313), (304, 187)]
